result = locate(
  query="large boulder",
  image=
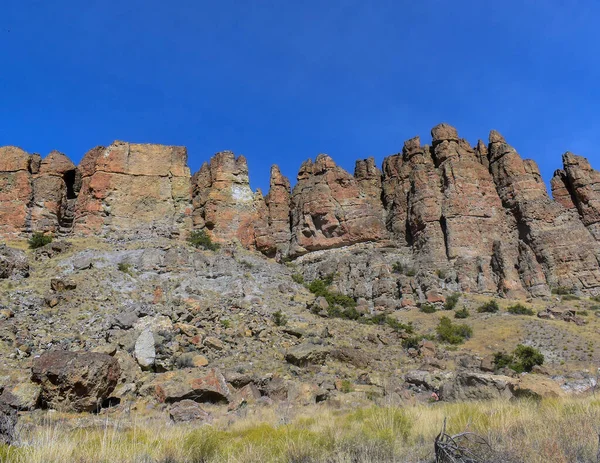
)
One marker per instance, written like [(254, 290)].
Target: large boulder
[(467, 385), (75, 381), (145, 350), (193, 384)]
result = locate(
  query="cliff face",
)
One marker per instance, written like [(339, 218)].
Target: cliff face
[(462, 218)]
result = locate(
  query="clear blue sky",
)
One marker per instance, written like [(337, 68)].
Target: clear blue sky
[(281, 81)]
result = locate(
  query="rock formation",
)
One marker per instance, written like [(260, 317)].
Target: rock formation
[(453, 216), (134, 189)]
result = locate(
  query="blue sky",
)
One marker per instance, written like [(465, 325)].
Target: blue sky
[(282, 81)]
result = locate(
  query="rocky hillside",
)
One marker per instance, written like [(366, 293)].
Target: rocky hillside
[(450, 216)]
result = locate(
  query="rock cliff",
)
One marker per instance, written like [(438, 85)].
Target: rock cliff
[(436, 218)]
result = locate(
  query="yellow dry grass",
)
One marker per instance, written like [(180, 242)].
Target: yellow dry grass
[(557, 431)]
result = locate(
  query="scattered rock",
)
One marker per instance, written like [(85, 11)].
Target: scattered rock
[(8, 422), (13, 263)]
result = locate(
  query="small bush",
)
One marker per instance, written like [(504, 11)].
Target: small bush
[(279, 318), (527, 357), (569, 297), (595, 298), (412, 342), (441, 274), (399, 267), (125, 268), (346, 386), (520, 309), (399, 326), (38, 239), (451, 333), (200, 239), (562, 290), (225, 323), (523, 359), (427, 308), (462, 313), (502, 360), (451, 301), (489, 307), (185, 361), (298, 278)]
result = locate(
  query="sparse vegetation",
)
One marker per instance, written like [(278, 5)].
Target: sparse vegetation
[(412, 342), (279, 318), (340, 305), (520, 309), (453, 333), (312, 434), (39, 239), (489, 307), (201, 239), (346, 386), (225, 323), (298, 278), (451, 301)]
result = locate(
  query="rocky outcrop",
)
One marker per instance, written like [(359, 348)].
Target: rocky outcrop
[(16, 189), (582, 185), (133, 189), (331, 208), (224, 204), (437, 218), (75, 381), (55, 189), (555, 248)]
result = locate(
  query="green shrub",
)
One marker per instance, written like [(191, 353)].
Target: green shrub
[(399, 326), (399, 267), (412, 342), (279, 318), (451, 333), (200, 239), (125, 268), (569, 297), (502, 360), (489, 307), (451, 301), (522, 359), (346, 386), (520, 309), (225, 323), (562, 290), (427, 308), (441, 274), (526, 358), (462, 313), (595, 298), (298, 278), (335, 300), (38, 239)]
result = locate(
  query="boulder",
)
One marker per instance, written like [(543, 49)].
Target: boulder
[(307, 354), (187, 410), (197, 385), (22, 396), (467, 385), (145, 350), (75, 381)]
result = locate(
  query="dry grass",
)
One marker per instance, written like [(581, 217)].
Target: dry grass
[(558, 431)]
